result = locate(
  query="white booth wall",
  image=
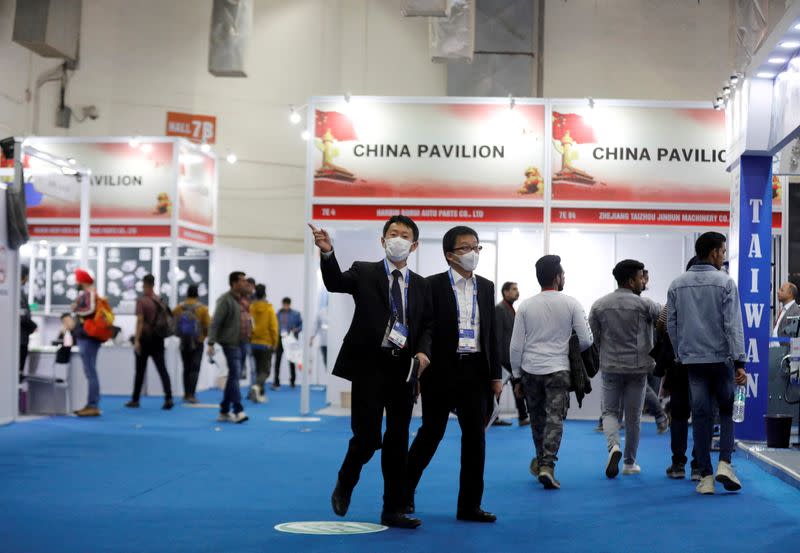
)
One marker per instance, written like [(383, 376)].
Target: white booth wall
[(9, 320), (509, 254)]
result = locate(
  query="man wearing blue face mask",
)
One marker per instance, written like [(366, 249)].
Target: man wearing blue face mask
[(390, 332), (465, 371)]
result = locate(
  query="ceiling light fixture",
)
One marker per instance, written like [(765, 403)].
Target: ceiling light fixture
[(789, 45), (231, 158), (765, 75), (776, 61)]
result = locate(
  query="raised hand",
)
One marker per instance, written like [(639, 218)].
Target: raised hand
[(321, 238)]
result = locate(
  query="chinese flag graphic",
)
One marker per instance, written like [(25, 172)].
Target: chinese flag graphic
[(572, 123), (337, 123)]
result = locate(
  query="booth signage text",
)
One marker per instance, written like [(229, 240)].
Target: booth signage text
[(489, 214), (197, 128)]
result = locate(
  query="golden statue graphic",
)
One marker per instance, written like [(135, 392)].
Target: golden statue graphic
[(534, 183), (569, 130), (329, 127)]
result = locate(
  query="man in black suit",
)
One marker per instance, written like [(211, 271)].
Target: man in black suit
[(504, 323), (391, 324), (464, 374)]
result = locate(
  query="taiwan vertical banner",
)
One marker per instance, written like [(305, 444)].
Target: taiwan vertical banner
[(754, 222)]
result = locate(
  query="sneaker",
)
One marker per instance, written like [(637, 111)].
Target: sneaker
[(500, 422), (706, 485), (275, 387), (525, 422), (168, 404), (190, 399), (599, 427), (534, 468), (676, 471), (262, 399), (225, 417), (132, 404), (612, 465), (727, 477), (255, 391), (696, 475), (547, 478), (88, 412), (662, 425), (240, 417), (631, 469)]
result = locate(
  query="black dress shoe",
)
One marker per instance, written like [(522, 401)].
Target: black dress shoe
[(168, 404), (410, 508), (340, 500), (501, 422), (476, 515), (399, 520)]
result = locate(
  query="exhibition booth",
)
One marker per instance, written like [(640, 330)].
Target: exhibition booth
[(594, 181), (150, 208)]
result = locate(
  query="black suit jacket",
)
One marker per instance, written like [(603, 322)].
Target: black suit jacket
[(504, 322), (369, 286), (445, 330)]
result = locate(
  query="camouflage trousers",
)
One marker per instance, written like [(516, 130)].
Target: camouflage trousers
[(547, 396)]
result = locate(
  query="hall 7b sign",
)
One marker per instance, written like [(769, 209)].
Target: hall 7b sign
[(197, 128)]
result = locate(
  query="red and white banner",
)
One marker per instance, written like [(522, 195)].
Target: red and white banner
[(388, 150), (639, 154), (442, 213), (197, 128), (100, 231), (195, 236), (196, 177), (645, 217)]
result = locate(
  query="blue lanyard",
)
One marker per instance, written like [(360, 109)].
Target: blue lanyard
[(474, 298), (391, 299)]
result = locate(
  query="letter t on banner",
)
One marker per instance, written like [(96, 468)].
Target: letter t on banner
[(750, 253)]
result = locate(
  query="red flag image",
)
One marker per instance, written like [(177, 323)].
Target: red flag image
[(574, 124), (337, 123)]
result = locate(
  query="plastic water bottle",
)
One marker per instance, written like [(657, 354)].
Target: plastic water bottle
[(738, 404)]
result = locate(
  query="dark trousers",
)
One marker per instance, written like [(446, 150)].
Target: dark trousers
[(232, 396), (372, 392), (192, 358), (23, 356), (263, 357), (151, 347), (467, 392), (709, 381), (292, 368), (681, 408)]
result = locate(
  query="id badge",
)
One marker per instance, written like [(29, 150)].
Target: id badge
[(398, 334), (466, 341)]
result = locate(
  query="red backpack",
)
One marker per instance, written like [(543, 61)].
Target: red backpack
[(99, 326)]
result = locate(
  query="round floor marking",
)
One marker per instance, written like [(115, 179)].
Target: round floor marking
[(328, 528), (295, 419)]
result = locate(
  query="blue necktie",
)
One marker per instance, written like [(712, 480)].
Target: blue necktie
[(397, 297)]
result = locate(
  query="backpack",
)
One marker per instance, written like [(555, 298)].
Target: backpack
[(100, 325), (187, 327), (164, 323)]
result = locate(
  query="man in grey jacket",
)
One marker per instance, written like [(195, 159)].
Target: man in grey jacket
[(231, 327), (622, 324), (704, 321)]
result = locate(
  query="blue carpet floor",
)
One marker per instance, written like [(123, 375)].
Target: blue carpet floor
[(151, 481)]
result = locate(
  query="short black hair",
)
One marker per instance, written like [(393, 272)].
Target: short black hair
[(287, 300), (234, 277), (548, 268), (192, 291), (261, 291), (24, 271), (251, 280), (149, 280), (626, 270), (403, 220), (707, 243), (65, 315), (450, 237), (507, 286), (692, 262)]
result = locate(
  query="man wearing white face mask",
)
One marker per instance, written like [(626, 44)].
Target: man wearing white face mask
[(465, 371), (391, 326)]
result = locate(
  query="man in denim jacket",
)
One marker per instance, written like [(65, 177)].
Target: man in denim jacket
[(704, 321)]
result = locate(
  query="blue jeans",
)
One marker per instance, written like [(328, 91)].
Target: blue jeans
[(706, 382), (88, 350), (235, 356)]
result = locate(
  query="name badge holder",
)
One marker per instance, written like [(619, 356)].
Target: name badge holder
[(398, 335), (467, 341)]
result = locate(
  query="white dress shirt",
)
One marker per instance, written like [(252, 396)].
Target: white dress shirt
[(464, 292), (403, 280), (778, 322)]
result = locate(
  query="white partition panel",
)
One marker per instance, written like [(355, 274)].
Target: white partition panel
[(9, 321), (516, 260), (587, 258), (662, 255)]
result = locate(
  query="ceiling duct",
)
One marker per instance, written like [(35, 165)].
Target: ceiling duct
[(452, 38), (751, 18), (51, 28), (426, 8), (231, 24)]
